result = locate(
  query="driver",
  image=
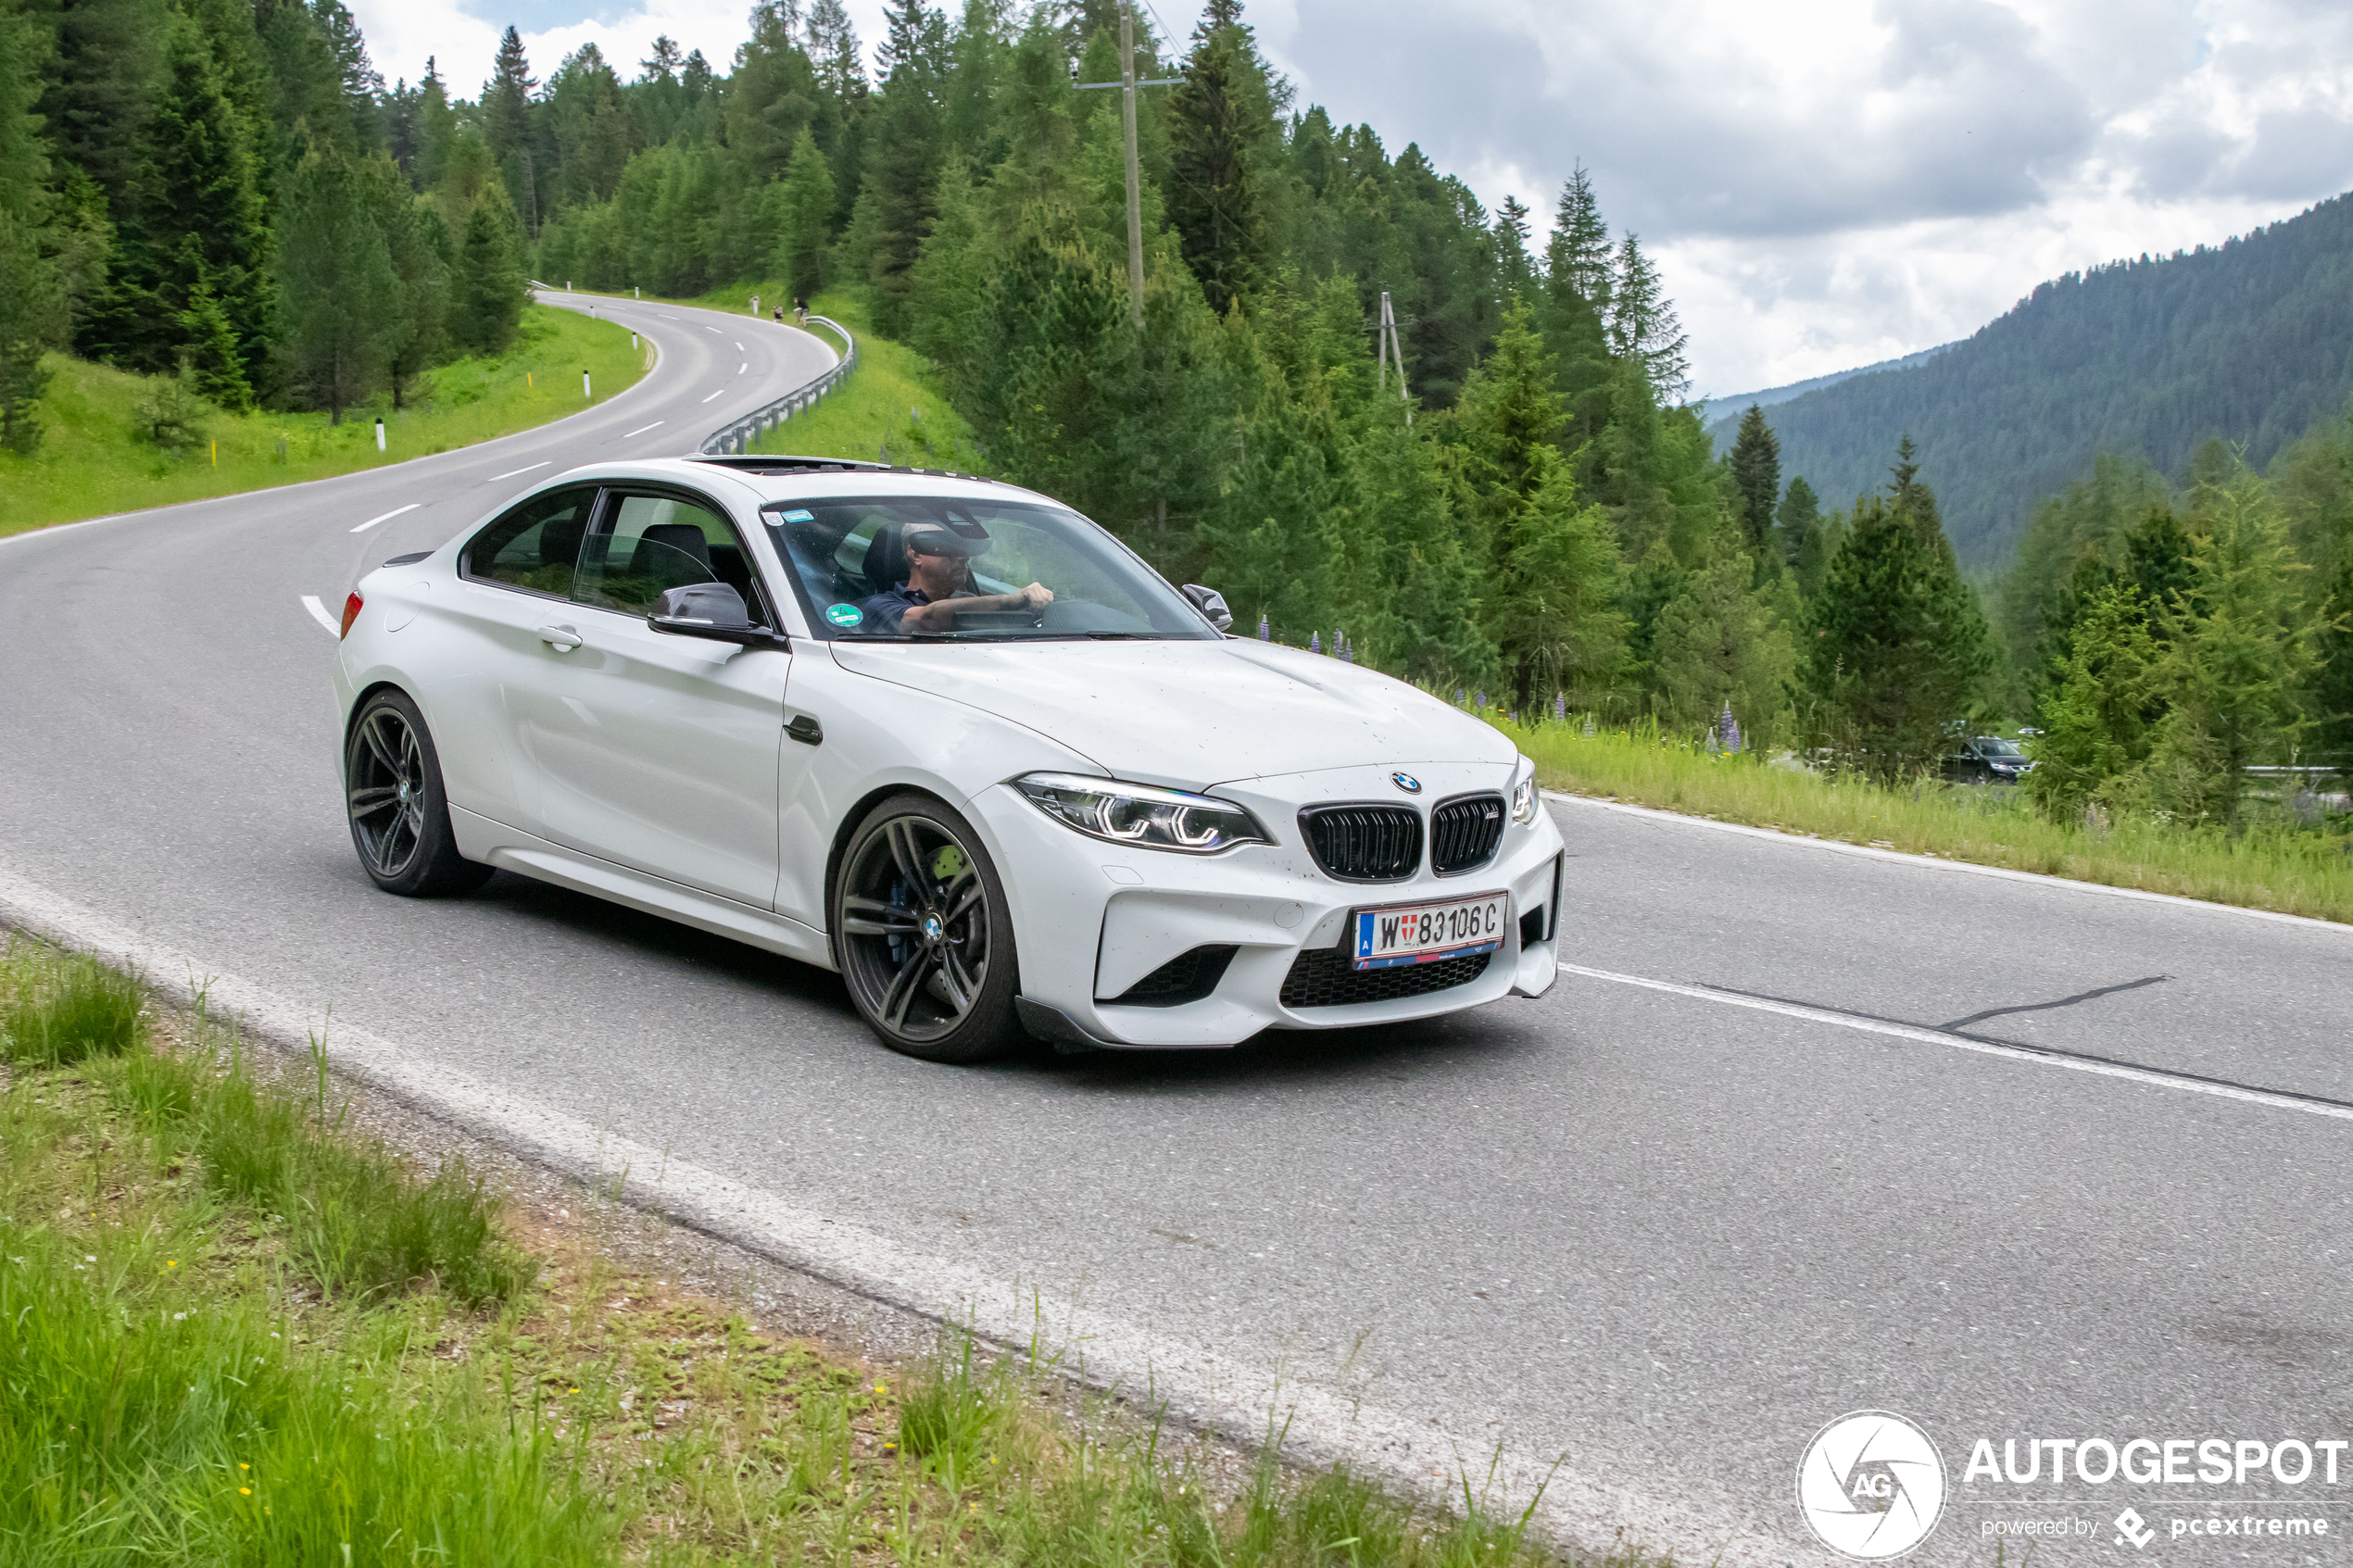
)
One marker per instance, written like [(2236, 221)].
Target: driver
[(938, 567)]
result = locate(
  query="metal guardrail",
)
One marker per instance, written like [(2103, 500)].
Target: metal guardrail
[(738, 435)]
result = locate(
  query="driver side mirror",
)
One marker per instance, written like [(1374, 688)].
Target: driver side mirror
[(1211, 603), (710, 610)]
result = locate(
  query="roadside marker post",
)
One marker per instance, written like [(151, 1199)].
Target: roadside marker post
[(586, 395), (380, 434)]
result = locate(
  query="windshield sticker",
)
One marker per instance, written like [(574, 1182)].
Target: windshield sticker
[(798, 515), (844, 615)]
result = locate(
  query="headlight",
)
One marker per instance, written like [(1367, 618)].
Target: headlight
[(1138, 814), (1524, 794)]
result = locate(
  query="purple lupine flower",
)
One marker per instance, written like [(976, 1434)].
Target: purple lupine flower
[(1560, 708), (1315, 642), (1727, 730), (1264, 634)]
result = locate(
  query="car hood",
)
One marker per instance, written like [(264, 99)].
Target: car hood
[(1190, 714)]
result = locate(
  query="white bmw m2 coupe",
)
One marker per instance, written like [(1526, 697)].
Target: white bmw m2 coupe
[(945, 736)]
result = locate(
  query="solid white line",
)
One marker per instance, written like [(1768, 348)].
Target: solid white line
[(714, 394), (2147, 1076), (387, 517), (1937, 862), (642, 429), (319, 613), (512, 472)]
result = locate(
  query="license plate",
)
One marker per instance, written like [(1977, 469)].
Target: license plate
[(1425, 933)]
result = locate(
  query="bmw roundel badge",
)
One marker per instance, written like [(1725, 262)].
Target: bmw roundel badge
[(1407, 783)]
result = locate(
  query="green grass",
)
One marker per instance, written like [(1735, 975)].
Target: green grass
[(93, 461), (191, 1374), (2271, 865)]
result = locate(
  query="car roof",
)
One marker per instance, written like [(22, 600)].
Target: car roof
[(794, 478)]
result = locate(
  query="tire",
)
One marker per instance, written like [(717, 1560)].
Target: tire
[(399, 810), (924, 934)]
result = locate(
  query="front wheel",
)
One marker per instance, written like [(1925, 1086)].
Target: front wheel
[(399, 810), (924, 933)]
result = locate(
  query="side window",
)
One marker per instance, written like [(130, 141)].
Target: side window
[(643, 545), (535, 546)]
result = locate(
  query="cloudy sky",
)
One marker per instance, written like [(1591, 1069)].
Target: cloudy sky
[(1825, 183)]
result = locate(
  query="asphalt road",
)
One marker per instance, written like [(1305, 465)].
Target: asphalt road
[(1668, 1234)]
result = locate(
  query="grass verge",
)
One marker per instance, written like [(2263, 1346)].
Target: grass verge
[(2267, 866), (890, 410), (94, 461), (235, 1328)]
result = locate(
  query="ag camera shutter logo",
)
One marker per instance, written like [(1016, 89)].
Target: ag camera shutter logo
[(1872, 1486)]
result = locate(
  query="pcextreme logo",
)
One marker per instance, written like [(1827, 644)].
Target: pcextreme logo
[(1872, 1486)]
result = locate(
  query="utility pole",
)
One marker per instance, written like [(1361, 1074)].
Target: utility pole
[(1128, 85), (1391, 348), (1135, 180)]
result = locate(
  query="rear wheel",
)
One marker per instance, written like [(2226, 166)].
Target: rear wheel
[(399, 813), (925, 935)]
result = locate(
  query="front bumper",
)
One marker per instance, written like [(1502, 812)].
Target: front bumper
[(1093, 919)]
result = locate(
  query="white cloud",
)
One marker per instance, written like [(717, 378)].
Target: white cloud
[(1825, 183)]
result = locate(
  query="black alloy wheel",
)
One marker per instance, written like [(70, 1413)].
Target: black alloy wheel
[(923, 936), (399, 814)]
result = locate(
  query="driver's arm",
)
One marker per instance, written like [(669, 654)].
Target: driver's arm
[(940, 614)]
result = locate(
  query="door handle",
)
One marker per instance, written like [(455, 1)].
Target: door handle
[(806, 730), (563, 639)]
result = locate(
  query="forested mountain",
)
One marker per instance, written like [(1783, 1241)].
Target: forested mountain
[(2250, 341), (1730, 406)]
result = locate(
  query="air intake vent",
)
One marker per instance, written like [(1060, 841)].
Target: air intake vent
[(1364, 842), (1323, 977), (1465, 832), (1188, 977)]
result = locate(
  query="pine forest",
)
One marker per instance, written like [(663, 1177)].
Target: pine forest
[(1524, 509)]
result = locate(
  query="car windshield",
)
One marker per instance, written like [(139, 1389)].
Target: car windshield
[(902, 568), (1993, 746)]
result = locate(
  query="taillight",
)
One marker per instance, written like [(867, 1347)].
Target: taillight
[(351, 613)]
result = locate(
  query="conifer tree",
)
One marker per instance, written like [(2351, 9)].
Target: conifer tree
[(1755, 465), (210, 355), (1221, 129), (1644, 327), (1576, 304), (337, 283), (1717, 644), (506, 122), (489, 287), (807, 217), (2239, 651), (833, 45), (1515, 270), (1798, 525), (2097, 715), (31, 297), (1897, 646), (2329, 698)]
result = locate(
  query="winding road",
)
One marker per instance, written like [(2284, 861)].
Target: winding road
[(1800, 1132)]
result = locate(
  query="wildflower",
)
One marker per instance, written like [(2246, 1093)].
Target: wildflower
[(880, 1389), (245, 1467), (245, 1491), (171, 1263)]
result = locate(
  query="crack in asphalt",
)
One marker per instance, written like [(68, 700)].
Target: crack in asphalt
[(1959, 1023), (2055, 1052)]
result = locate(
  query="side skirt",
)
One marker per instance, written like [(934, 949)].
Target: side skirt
[(495, 844)]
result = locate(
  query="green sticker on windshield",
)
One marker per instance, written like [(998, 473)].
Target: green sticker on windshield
[(844, 615)]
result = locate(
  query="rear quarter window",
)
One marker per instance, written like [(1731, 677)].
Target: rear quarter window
[(535, 547)]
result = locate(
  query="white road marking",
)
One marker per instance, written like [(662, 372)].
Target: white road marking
[(742, 368), (739, 348), (319, 613), (715, 330), (387, 517), (642, 429), (2148, 1076), (1935, 862), (714, 394), (512, 472)]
